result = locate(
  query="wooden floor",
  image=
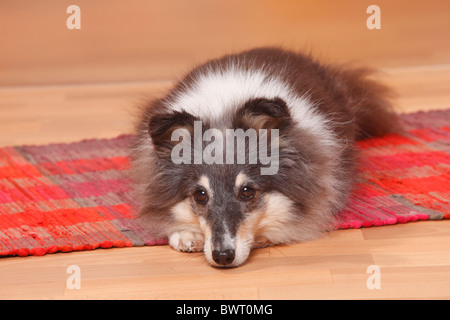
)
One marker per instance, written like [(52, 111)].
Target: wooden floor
[(414, 262), (414, 259)]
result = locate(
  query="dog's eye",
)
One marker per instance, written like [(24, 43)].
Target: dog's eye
[(201, 196), (247, 193)]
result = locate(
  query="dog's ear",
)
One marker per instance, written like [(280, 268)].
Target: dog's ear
[(161, 126), (263, 113)]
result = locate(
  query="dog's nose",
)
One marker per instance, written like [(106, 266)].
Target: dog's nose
[(223, 258)]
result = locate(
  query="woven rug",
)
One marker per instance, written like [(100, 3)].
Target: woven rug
[(70, 197)]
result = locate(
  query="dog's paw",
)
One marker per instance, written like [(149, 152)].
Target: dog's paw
[(187, 241)]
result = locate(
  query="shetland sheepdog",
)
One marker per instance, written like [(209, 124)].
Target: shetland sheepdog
[(253, 149)]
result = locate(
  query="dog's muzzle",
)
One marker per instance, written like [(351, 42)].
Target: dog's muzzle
[(223, 258)]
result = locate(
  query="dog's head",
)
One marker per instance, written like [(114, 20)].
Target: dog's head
[(236, 180)]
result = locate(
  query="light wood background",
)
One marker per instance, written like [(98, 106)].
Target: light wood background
[(60, 85), (157, 40)]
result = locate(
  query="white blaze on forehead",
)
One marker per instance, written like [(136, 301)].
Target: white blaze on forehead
[(216, 92)]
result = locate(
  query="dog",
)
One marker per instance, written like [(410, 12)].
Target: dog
[(204, 193)]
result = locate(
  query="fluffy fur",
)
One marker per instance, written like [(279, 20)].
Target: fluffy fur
[(320, 111)]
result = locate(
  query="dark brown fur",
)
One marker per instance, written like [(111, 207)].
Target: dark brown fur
[(355, 108)]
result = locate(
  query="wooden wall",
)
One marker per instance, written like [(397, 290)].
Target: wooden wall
[(136, 40)]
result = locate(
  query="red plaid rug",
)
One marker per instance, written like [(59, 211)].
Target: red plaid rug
[(66, 197)]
